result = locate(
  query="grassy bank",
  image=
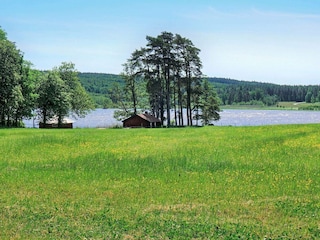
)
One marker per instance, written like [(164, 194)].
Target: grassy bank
[(278, 106), (212, 182)]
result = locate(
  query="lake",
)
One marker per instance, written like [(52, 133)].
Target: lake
[(101, 118), (266, 117)]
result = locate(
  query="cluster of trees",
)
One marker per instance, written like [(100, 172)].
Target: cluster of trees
[(162, 77), (99, 82), (100, 87), (25, 92), (168, 71), (17, 82), (60, 94), (235, 92)]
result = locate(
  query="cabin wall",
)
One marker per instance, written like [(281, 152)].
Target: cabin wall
[(55, 125), (136, 122)]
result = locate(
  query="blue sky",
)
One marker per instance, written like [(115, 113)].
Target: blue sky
[(276, 41)]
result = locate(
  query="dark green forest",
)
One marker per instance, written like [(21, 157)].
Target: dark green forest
[(230, 91), (99, 87)]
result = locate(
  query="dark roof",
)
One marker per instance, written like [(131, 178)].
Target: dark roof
[(147, 117)]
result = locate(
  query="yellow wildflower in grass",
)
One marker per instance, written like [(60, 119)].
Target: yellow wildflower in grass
[(211, 182)]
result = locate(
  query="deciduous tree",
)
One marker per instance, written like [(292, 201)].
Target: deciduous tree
[(80, 102), (17, 84), (54, 98), (61, 94)]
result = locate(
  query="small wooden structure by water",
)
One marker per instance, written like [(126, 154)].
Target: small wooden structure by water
[(142, 120), (53, 123)]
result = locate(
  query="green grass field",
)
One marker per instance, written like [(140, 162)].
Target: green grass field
[(278, 106), (184, 183), (299, 106)]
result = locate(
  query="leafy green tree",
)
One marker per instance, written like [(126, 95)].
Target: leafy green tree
[(3, 34), (318, 97), (54, 98), (80, 102), (208, 104), (28, 83), (10, 75), (17, 84), (61, 94), (270, 100), (308, 97), (119, 96)]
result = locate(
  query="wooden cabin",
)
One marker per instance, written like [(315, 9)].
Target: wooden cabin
[(53, 123), (142, 120)]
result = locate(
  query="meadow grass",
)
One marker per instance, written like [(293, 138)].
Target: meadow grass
[(278, 106), (298, 105), (184, 183)]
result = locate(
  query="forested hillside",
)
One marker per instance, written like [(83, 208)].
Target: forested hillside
[(99, 82), (99, 86), (234, 92), (230, 91)]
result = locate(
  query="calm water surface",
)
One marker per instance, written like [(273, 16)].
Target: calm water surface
[(267, 117), (104, 118)]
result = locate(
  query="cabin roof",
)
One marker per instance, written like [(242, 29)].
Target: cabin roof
[(147, 117)]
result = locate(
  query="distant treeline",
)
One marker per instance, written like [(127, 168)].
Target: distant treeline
[(99, 86), (234, 92), (99, 83), (230, 91)]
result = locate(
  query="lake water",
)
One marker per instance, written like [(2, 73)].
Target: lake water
[(101, 118), (266, 117)]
